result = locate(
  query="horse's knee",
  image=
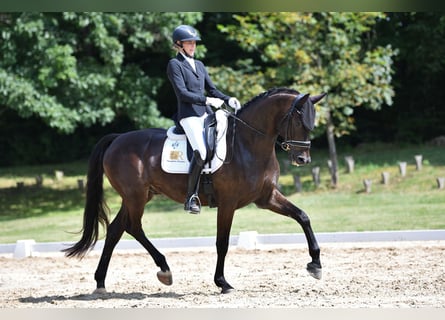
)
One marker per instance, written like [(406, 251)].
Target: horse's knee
[(303, 219)]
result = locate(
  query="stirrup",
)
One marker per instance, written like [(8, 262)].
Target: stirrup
[(193, 204)]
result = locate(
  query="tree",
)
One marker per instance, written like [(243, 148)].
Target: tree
[(417, 114), (72, 69), (316, 52)]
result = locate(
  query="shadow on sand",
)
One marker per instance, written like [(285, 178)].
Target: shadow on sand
[(103, 296)]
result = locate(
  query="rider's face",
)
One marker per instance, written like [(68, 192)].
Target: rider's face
[(189, 47)]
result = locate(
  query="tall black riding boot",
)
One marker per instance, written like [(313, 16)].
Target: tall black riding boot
[(192, 203)]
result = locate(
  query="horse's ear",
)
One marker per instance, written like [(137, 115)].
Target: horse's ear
[(301, 99), (317, 98)]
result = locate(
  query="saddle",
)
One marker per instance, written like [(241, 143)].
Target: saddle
[(176, 152)]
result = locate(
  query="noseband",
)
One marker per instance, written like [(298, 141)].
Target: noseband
[(288, 145)]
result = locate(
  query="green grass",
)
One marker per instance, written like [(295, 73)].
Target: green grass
[(54, 211)]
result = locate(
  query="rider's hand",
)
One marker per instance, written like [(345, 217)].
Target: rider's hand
[(214, 102), (234, 103)]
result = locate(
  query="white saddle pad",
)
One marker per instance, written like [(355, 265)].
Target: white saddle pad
[(174, 153)]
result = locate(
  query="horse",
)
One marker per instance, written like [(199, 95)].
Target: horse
[(132, 163)]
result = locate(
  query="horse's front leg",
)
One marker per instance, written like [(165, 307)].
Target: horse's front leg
[(224, 224), (279, 204)]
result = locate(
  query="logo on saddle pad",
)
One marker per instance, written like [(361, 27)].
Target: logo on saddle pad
[(174, 153)]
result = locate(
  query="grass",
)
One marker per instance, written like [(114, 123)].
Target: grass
[(53, 212)]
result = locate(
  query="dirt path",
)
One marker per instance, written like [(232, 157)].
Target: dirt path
[(403, 274)]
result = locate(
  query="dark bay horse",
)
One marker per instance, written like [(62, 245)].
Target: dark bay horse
[(132, 163)]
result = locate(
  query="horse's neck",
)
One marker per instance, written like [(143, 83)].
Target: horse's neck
[(265, 115), (257, 130)]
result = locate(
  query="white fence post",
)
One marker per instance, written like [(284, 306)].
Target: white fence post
[(23, 248)]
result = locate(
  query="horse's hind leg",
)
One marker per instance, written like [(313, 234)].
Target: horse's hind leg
[(114, 233), (164, 275), (134, 228)]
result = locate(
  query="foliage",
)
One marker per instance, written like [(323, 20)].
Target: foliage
[(316, 52), (418, 114), (72, 69), (71, 77)]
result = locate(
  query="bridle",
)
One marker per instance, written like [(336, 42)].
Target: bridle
[(287, 145)]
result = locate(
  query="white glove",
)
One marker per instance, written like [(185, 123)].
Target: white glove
[(214, 102), (234, 103)]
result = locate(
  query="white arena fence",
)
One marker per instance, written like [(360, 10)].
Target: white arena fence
[(245, 240)]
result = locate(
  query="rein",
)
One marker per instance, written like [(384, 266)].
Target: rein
[(245, 123)]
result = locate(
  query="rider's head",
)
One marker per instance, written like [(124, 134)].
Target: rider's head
[(184, 39)]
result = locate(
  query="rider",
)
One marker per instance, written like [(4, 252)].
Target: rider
[(191, 82)]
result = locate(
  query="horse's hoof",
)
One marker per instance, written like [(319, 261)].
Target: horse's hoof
[(226, 290), (100, 291), (314, 271), (165, 277)]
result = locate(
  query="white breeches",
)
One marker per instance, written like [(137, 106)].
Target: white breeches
[(194, 130)]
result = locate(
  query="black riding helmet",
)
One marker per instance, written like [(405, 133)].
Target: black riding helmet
[(185, 33)]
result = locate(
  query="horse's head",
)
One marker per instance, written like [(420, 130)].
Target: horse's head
[(295, 127)]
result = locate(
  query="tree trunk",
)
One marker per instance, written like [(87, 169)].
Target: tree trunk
[(332, 150)]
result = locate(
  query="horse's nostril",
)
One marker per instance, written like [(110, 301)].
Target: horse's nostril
[(303, 159)]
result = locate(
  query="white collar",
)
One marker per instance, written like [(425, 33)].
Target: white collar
[(191, 61)]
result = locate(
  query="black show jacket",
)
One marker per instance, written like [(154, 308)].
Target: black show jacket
[(190, 87)]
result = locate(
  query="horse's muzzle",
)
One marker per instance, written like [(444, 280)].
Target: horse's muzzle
[(300, 158)]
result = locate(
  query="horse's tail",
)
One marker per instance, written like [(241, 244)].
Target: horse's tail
[(96, 210)]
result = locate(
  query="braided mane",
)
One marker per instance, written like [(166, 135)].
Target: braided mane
[(269, 93)]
